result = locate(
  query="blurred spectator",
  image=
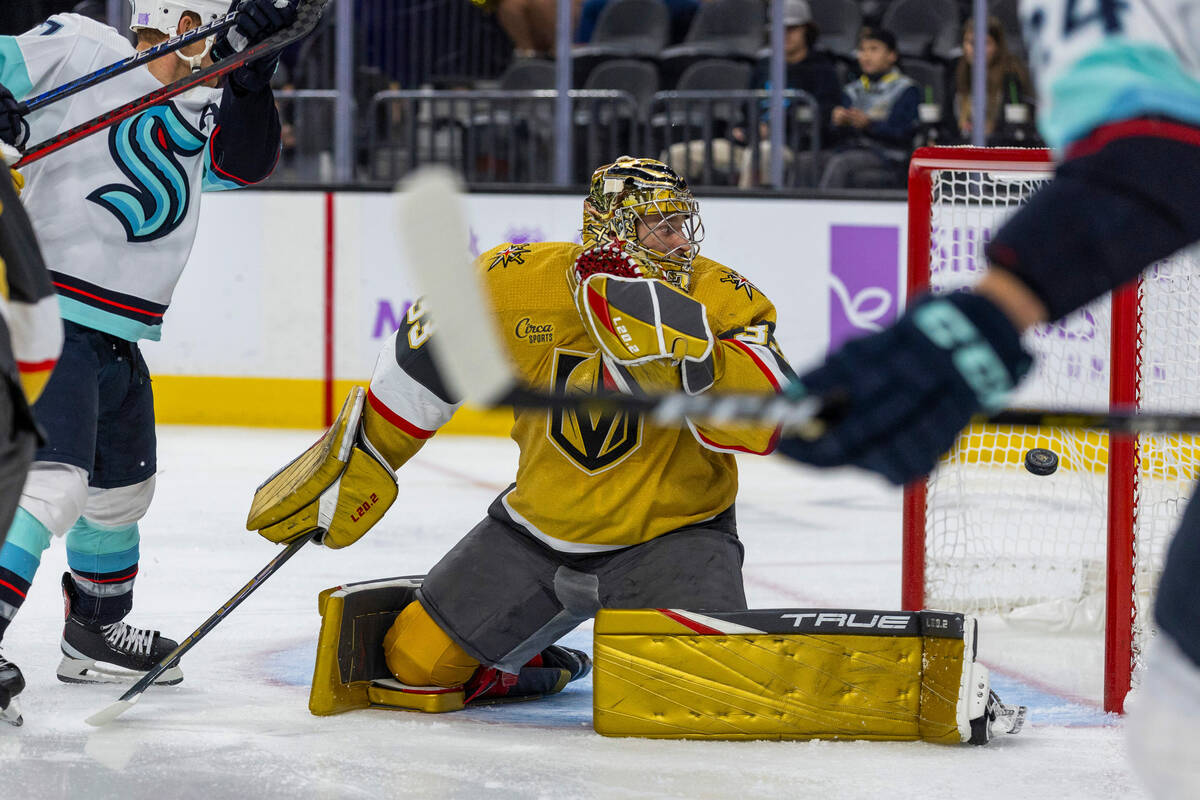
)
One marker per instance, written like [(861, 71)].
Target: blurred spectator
[(680, 11), (874, 126), (529, 23), (1007, 81), (807, 70), (18, 16)]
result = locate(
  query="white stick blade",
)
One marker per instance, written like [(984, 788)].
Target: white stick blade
[(435, 240), (109, 713)]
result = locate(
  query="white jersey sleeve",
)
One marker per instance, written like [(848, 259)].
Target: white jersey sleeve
[(50, 54), (116, 212), (1101, 61)]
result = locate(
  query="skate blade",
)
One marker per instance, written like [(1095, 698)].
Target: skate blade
[(74, 670), (12, 714)]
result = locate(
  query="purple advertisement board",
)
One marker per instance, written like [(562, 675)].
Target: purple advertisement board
[(864, 278)]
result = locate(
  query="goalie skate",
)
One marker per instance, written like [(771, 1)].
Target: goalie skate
[(997, 718), (12, 682)]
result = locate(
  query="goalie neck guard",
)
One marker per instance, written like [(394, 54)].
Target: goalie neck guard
[(632, 190)]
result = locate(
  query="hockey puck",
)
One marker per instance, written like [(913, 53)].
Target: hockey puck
[(1041, 461)]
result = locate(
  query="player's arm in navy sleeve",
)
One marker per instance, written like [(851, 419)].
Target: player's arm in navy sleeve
[(245, 146)]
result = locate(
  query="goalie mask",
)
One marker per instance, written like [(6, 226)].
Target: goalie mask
[(163, 16), (633, 190)]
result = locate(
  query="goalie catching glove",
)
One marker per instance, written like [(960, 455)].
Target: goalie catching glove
[(641, 323), (340, 485), (897, 400)]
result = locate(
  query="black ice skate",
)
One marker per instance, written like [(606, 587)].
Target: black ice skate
[(11, 684), (112, 653)]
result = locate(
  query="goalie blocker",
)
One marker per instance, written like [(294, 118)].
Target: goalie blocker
[(340, 485), (673, 674)]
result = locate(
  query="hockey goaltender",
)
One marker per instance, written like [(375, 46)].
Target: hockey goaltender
[(609, 517)]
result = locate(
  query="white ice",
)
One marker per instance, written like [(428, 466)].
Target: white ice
[(238, 726)]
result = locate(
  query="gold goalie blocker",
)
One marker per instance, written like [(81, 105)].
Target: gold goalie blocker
[(340, 485)]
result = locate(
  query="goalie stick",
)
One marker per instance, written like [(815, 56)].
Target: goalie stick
[(308, 14), (126, 701), (432, 224)]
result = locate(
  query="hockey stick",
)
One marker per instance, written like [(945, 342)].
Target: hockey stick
[(126, 64), (308, 14), (432, 223), (126, 701)]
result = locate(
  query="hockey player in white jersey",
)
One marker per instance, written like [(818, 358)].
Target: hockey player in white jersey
[(1120, 88), (116, 216)]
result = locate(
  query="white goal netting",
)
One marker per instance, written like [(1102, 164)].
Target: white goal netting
[(1032, 549)]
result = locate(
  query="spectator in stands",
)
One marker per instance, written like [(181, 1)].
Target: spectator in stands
[(807, 70), (873, 128), (680, 12), (1007, 80)]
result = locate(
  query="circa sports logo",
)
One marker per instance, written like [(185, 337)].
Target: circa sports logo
[(148, 149), (534, 333)]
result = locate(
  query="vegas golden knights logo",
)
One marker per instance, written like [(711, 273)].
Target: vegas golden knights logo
[(593, 440)]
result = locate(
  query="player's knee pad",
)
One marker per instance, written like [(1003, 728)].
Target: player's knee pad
[(55, 495), (121, 506), (419, 653)]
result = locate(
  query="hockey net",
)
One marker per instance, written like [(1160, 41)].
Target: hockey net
[(1079, 550)]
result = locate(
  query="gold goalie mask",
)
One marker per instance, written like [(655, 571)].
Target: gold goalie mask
[(632, 190)]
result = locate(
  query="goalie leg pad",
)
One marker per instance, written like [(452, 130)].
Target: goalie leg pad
[(419, 653), (351, 671), (800, 674)]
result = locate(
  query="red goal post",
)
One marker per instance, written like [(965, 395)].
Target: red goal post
[(953, 538)]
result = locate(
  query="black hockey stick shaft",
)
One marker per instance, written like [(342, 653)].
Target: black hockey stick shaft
[(127, 699), (126, 64), (432, 222), (808, 416), (308, 14)]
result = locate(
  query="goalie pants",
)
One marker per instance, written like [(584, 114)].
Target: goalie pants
[(91, 481), (503, 596)]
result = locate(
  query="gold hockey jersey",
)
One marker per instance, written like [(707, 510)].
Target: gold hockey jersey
[(588, 482)]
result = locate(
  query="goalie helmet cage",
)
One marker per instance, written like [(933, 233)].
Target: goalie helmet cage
[(981, 534)]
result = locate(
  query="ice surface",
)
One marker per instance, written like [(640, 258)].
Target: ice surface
[(238, 725)]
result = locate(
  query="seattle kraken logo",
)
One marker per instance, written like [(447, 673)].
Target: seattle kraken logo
[(148, 148)]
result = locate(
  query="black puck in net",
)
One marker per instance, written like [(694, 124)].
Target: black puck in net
[(1041, 461)]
